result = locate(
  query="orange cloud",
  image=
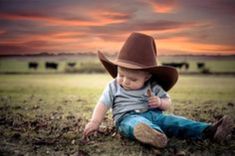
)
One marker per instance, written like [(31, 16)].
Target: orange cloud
[(184, 44), (105, 17), (60, 42), (164, 6), (47, 37), (100, 19)]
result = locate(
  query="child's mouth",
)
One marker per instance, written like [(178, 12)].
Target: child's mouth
[(127, 88)]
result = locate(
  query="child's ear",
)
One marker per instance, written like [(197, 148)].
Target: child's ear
[(148, 77)]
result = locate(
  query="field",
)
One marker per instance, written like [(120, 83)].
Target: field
[(90, 63), (44, 111), (45, 114)]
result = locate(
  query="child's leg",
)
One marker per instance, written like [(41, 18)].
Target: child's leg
[(180, 127), (140, 128)]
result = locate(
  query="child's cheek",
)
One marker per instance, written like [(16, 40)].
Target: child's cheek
[(119, 80)]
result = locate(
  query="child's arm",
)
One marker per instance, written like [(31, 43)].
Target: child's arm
[(96, 119)]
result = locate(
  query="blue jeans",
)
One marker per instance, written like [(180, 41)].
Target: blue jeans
[(171, 125)]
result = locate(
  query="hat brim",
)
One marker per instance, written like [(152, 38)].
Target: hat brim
[(165, 76)]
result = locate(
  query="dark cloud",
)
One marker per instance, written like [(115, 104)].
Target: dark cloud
[(15, 49), (214, 6), (164, 25)]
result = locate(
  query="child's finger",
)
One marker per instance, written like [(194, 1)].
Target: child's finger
[(152, 98), (152, 102), (87, 131), (152, 105)]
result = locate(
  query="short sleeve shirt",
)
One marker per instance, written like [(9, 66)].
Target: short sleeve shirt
[(122, 101)]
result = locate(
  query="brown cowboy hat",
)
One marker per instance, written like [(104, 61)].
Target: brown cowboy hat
[(139, 52)]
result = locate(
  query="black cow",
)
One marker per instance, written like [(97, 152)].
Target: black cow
[(51, 65), (33, 65), (186, 65), (176, 65), (200, 65), (71, 64)]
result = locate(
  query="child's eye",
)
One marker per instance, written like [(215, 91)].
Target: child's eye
[(134, 80)]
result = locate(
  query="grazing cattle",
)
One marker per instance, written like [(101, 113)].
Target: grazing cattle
[(177, 65), (71, 64), (186, 65), (51, 65), (33, 65), (200, 65)]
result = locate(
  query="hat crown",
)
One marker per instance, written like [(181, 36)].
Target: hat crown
[(139, 49)]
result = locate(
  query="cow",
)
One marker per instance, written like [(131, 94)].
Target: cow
[(177, 65), (51, 65), (200, 65), (186, 65), (71, 64), (33, 65)]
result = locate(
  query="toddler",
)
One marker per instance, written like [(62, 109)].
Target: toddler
[(138, 97)]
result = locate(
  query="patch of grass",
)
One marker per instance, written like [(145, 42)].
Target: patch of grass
[(64, 103), (53, 89)]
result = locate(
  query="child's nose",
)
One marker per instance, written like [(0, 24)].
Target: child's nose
[(126, 81)]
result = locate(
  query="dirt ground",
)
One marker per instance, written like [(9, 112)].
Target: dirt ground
[(57, 133)]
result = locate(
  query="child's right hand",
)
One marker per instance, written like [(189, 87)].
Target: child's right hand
[(90, 127)]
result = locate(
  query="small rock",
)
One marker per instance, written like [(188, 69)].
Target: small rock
[(180, 153), (16, 136), (59, 108), (230, 104), (157, 152), (35, 107), (80, 153), (17, 107)]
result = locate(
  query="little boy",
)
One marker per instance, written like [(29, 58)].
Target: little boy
[(137, 97)]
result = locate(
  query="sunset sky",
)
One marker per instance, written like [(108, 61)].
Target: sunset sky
[(55, 26)]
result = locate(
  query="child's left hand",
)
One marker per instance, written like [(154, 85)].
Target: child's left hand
[(154, 102)]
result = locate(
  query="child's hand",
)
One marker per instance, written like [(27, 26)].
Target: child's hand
[(154, 101), (90, 127)]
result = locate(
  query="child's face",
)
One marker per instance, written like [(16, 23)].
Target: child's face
[(131, 79)]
